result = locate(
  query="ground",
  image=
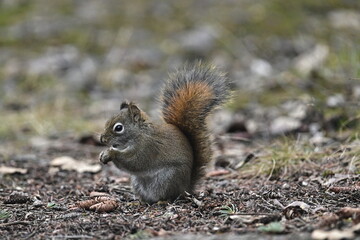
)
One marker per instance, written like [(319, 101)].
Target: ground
[(293, 204), (286, 162)]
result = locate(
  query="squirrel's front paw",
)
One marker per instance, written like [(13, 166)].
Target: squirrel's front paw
[(105, 156)]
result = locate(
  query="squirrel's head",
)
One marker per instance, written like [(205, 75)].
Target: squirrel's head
[(122, 130)]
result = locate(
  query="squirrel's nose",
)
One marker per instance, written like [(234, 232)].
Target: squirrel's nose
[(102, 140)]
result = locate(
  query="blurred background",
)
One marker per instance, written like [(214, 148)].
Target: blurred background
[(65, 66)]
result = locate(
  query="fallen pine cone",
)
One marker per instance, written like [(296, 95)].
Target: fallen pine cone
[(344, 189), (348, 212), (17, 197), (100, 204), (343, 213), (86, 204), (106, 206)]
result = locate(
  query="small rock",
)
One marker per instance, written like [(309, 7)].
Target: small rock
[(118, 76), (69, 163), (282, 125), (319, 139), (200, 40), (221, 120), (39, 142), (12, 170), (296, 109), (312, 59), (38, 203), (91, 11), (334, 234), (314, 128), (261, 67), (356, 92), (253, 126), (335, 100), (345, 19), (55, 60), (82, 75)]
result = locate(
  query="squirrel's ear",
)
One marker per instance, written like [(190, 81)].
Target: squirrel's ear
[(124, 105), (136, 113)]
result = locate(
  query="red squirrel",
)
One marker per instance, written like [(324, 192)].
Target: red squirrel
[(167, 158)]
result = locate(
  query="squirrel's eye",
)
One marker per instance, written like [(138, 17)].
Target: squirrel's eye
[(118, 128)]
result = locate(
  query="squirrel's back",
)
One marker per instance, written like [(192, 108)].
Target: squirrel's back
[(188, 98)]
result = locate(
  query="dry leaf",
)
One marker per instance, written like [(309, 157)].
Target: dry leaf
[(328, 220), (97, 194), (160, 233), (343, 213), (336, 178), (122, 180), (12, 170), (295, 209), (348, 212), (69, 163), (255, 219), (217, 173), (333, 234), (197, 202)]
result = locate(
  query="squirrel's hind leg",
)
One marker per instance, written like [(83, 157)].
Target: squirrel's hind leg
[(166, 184)]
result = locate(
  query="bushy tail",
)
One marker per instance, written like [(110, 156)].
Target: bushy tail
[(188, 98)]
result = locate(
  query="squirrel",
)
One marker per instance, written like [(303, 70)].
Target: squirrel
[(167, 158)]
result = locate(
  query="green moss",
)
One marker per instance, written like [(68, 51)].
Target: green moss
[(287, 18), (10, 15), (36, 83), (65, 7), (345, 60), (288, 156), (273, 96), (4, 214), (328, 173), (273, 227), (85, 40), (59, 115), (283, 156), (238, 100), (278, 95)]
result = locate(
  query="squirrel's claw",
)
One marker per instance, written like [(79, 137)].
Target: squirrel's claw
[(104, 157)]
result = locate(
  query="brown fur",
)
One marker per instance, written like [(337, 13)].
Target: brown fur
[(167, 159), (189, 101), (189, 97)]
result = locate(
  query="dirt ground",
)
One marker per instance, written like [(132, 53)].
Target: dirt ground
[(43, 202), (287, 162)]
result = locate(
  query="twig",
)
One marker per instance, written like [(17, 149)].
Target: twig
[(254, 214), (71, 236), (14, 223), (344, 189), (272, 169), (32, 233)]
